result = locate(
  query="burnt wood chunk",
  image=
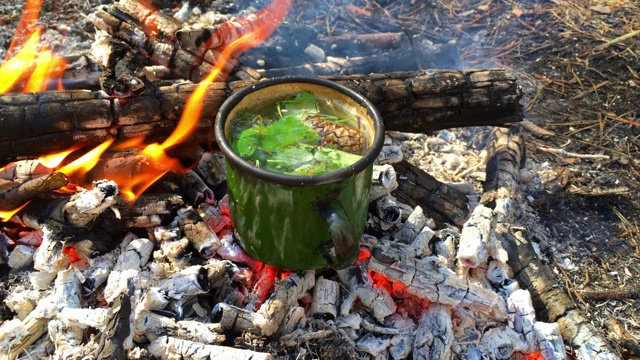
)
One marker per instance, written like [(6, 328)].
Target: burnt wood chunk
[(437, 199), (421, 101)]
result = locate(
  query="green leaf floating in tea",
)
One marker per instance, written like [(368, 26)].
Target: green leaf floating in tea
[(297, 137)]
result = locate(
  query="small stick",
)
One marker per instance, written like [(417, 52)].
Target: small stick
[(617, 40), (621, 293), (563, 152)]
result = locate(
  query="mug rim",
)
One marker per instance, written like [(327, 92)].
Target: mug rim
[(295, 180)]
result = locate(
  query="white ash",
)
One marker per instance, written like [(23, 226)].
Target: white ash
[(373, 345), (434, 334), (85, 206), (21, 257)]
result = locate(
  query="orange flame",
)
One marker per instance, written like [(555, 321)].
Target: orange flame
[(277, 10), (6, 215), (36, 65), (53, 160), (77, 169)]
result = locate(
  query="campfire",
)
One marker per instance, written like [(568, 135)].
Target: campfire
[(117, 236)]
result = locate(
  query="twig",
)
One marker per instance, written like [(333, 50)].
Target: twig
[(621, 293), (596, 87), (566, 153), (617, 40)]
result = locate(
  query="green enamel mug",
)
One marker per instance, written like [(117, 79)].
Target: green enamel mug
[(299, 222)]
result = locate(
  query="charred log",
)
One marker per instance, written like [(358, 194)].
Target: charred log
[(421, 101), (551, 303), (438, 200)]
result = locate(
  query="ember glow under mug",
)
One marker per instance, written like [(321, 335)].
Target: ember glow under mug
[(299, 222)]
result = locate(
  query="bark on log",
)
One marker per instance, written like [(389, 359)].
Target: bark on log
[(551, 303), (423, 101), (441, 202)]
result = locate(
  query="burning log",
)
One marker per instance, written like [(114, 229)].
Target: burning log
[(429, 279), (189, 52), (421, 101), (24, 170), (377, 299), (418, 188), (195, 190)]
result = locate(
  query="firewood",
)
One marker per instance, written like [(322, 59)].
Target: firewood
[(440, 201), (301, 336), (170, 348), (211, 168), (234, 318), (21, 257), (627, 340), (295, 318), (551, 303), (24, 170), (373, 345), (196, 230), (408, 102), (325, 298), (522, 316), (189, 52), (230, 250), (434, 334), (549, 340), (429, 279), (286, 293), (501, 342), (506, 155), (189, 281), (13, 195), (66, 337), (16, 335), (150, 325), (402, 343), (117, 338), (195, 190), (134, 255), (411, 227), (384, 181), (93, 318)]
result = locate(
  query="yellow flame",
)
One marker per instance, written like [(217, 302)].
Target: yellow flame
[(7, 215), (79, 168), (30, 62), (53, 160)]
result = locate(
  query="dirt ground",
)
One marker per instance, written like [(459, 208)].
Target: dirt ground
[(578, 64)]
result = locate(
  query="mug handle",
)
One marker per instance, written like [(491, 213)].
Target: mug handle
[(342, 250)]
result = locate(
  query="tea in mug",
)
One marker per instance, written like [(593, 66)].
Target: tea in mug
[(299, 135)]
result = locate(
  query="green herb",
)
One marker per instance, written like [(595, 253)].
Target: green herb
[(289, 144)]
